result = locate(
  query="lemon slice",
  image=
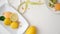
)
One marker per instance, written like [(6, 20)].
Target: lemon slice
[(14, 17)]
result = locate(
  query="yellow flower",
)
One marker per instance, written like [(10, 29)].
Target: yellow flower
[(14, 25), (7, 21)]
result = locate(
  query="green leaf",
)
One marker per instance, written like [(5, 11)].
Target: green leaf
[(27, 0), (35, 3), (20, 6), (2, 18), (26, 7)]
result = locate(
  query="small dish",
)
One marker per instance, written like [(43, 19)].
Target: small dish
[(52, 9), (22, 26)]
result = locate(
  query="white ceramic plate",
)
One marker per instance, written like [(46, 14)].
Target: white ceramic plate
[(52, 9), (3, 30), (23, 25)]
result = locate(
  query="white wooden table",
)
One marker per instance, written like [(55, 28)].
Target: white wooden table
[(43, 18)]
